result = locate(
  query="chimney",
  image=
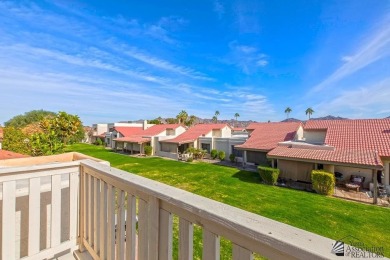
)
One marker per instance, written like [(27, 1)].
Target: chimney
[(145, 124)]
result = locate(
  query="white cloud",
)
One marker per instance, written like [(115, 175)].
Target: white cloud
[(371, 99), (247, 58), (219, 9), (375, 48)]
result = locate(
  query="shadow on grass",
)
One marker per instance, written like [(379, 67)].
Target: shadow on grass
[(251, 177)]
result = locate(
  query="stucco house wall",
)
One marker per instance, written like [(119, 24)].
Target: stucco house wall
[(315, 137)]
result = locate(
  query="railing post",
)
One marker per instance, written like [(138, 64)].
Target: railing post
[(82, 209)]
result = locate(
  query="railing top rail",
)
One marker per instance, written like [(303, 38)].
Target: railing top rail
[(39, 167), (283, 239)]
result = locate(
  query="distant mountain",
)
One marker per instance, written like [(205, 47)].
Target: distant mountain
[(291, 120), (329, 117), (388, 117)]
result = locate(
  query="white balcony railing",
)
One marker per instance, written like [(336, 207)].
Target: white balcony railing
[(49, 210)]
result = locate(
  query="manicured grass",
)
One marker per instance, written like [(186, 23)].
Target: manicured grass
[(327, 216)]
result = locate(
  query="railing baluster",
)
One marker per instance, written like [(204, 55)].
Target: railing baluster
[(120, 226), (90, 210), (165, 235), (8, 222), (210, 245), (85, 208), (82, 212), (96, 214), (143, 242), (103, 220), (73, 199), (55, 210), (131, 227), (34, 209), (186, 239), (240, 253), (111, 222)]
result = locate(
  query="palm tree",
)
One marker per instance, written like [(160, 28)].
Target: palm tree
[(182, 117), (215, 117), (287, 111), (236, 115), (309, 111), (191, 120)]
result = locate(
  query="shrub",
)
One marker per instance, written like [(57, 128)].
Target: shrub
[(196, 153), (232, 158), (148, 150), (221, 155), (269, 175), (214, 154), (98, 142), (190, 159), (323, 182)]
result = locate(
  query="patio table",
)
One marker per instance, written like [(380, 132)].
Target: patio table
[(352, 186)]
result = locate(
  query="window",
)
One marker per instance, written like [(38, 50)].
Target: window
[(320, 166), (237, 153)]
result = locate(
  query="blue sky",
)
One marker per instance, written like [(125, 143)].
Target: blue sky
[(125, 60)]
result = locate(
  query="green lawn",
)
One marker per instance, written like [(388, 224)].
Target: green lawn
[(327, 216)]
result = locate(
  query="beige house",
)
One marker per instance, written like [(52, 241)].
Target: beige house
[(350, 147), (136, 142), (202, 136), (263, 137)]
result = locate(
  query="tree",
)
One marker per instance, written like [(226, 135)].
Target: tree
[(287, 111), (182, 117), (28, 118), (67, 127), (154, 121), (171, 120), (47, 137), (309, 111), (215, 117), (236, 115), (15, 140), (190, 121)]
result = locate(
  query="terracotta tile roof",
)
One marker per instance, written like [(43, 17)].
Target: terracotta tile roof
[(133, 139), (266, 136), (143, 136), (194, 133), (355, 157), (128, 130), (359, 134), (4, 154), (238, 129)]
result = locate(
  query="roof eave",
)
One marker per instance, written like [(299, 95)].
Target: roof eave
[(364, 166)]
